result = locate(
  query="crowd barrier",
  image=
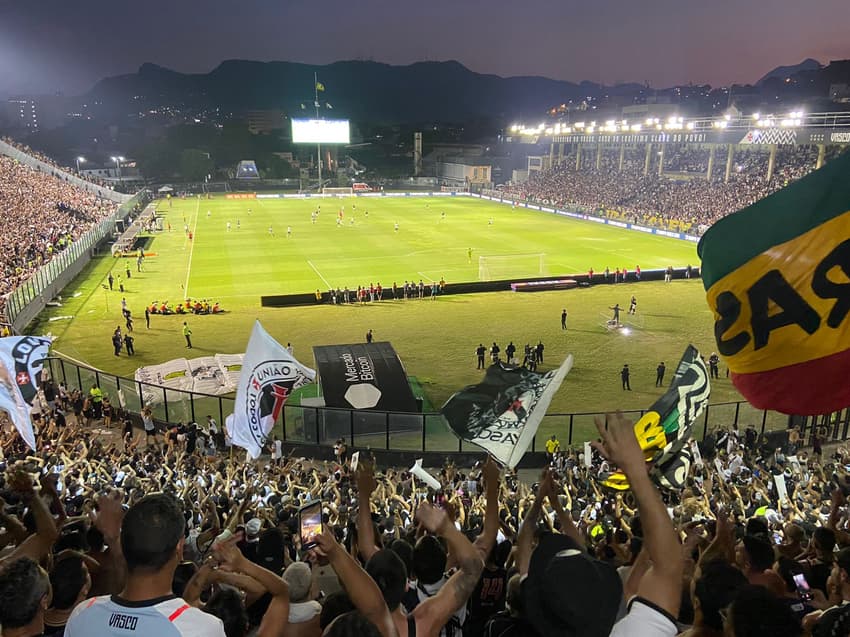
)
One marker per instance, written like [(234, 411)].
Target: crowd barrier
[(312, 427)]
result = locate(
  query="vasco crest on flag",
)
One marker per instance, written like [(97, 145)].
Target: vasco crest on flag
[(502, 413), (269, 374), (21, 363), (777, 277)]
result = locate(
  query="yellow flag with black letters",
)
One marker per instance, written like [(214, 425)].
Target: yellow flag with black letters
[(777, 277)]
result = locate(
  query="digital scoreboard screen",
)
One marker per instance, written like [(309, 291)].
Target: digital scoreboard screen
[(320, 131)]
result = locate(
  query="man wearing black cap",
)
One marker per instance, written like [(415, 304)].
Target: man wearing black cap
[(659, 592), (567, 592)]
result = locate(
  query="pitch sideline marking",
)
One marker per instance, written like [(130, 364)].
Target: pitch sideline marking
[(316, 270), (192, 249)]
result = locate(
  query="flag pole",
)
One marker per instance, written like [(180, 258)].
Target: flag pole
[(318, 145)]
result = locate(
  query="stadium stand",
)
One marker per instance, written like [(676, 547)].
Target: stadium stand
[(667, 201), (40, 215), (65, 500)]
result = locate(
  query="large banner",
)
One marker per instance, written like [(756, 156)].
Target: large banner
[(502, 413), (214, 375), (21, 362), (269, 375), (664, 431), (363, 376), (776, 277)]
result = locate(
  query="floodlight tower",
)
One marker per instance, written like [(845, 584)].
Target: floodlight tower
[(318, 144)]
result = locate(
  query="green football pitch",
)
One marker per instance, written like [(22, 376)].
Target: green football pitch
[(435, 340)]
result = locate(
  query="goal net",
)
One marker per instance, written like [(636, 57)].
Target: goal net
[(499, 267), (338, 192)]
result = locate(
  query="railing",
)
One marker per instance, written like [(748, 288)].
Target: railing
[(420, 432)]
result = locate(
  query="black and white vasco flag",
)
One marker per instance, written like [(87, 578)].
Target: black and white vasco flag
[(21, 362), (502, 413), (269, 375)]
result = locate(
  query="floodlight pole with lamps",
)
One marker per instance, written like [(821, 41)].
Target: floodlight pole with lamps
[(318, 144), (80, 160), (118, 161)]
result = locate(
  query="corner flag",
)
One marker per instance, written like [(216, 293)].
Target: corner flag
[(320, 86)]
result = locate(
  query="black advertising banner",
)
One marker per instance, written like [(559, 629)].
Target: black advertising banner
[(363, 376)]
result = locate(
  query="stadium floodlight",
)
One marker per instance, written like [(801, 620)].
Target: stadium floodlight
[(690, 126), (579, 125), (80, 160), (756, 116), (727, 117), (636, 128)]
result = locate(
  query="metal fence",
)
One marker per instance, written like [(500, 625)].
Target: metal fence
[(399, 431)]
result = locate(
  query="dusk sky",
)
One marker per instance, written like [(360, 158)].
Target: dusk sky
[(50, 45)]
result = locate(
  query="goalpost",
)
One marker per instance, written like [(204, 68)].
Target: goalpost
[(498, 267), (338, 192)]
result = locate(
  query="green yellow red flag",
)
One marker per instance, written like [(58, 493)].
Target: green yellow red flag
[(777, 277)]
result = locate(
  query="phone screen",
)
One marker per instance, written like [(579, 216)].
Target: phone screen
[(803, 589), (310, 523)]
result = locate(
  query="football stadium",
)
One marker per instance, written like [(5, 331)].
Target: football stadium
[(282, 358)]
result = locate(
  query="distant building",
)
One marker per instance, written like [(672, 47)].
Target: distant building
[(464, 172), (839, 93), (22, 114), (264, 122)]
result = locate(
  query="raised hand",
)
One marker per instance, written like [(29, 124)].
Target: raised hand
[(366, 483), (619, 444), (110, 515), (491, 472), (228, 555), (431, 517)]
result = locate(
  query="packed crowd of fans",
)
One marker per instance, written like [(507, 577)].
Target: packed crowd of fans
[(103, 183), (107, 532), (682, 199), (40, 215)]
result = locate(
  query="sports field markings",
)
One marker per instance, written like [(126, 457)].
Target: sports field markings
[(425, 276), (316, 270), (192, 249)]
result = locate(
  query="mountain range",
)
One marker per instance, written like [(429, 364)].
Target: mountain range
[(422, 92), (426, 92)]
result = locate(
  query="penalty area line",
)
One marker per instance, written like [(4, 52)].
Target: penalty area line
[(316, 270)]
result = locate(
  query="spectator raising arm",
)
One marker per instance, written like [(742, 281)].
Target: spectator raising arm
[(362, 589), (525, 539), (275, 618), (366, 486), (38, 545), (485, 542), (433, 613), (661, 585)]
